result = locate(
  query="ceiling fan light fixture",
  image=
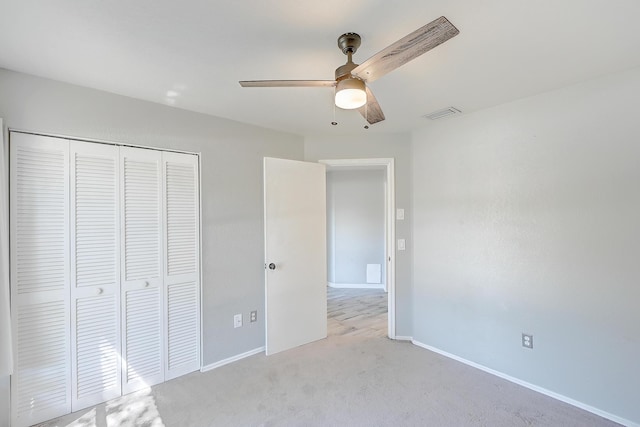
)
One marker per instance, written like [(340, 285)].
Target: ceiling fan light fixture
[(350, 93)]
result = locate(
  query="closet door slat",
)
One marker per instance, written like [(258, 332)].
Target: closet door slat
[(95, 274), (182, 272), (41, 382), (143, 334)]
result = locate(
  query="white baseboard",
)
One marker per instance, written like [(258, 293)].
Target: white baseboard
[(401, 338), (530, 386), (356, 285), (232, 359)]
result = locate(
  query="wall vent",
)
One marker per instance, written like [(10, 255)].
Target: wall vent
[(445, 112)]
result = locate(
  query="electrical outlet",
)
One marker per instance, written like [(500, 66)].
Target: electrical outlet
[(237, 320), (254, 316), (527, 340)]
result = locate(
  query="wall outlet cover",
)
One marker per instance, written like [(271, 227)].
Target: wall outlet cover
[(527, 340)]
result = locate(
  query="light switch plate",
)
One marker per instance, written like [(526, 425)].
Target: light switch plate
[(401, 245), (237, 320), (400, 214)]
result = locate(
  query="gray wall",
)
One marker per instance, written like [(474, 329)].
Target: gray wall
[(365, 144), (5, 401), (232, 206), (527, 219), (356, 224)]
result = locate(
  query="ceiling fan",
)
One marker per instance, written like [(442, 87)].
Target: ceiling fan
[(351, 79)]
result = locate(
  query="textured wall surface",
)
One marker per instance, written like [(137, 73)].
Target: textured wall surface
[(527, 219)]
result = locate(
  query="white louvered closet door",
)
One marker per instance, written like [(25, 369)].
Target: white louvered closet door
[(141, 267), (95, 274), (41, 382), (182, 272)]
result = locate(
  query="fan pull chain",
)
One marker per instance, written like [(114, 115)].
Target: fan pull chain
[(334, 123), (366, 114)]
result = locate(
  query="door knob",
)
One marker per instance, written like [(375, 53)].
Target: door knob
[(272, 266)]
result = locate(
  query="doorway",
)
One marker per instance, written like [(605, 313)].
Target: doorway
[(386, 270)]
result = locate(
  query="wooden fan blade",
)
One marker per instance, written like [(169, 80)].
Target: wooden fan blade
[(371, 111), (406, 49), (288, 83)]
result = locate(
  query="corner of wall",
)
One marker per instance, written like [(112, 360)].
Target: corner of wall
[(5, 401)]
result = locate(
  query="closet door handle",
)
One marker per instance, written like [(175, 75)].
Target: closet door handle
[(272, 266), (100, 291)]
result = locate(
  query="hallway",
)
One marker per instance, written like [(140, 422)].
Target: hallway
[(356, 312)]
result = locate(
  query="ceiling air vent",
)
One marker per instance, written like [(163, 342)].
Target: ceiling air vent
[(445, 112)]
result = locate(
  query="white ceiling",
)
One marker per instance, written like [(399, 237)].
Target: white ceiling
[(191, 53)]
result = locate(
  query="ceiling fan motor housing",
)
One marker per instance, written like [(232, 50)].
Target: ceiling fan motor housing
[(344, 71)]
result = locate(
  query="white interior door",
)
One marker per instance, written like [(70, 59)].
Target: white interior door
[(95, 274), (141, 273), (41, 381), (295, 253)]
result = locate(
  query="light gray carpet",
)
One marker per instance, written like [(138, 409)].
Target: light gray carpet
[(340, 381)]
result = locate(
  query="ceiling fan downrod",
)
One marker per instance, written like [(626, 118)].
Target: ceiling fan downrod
[(348, 44)]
